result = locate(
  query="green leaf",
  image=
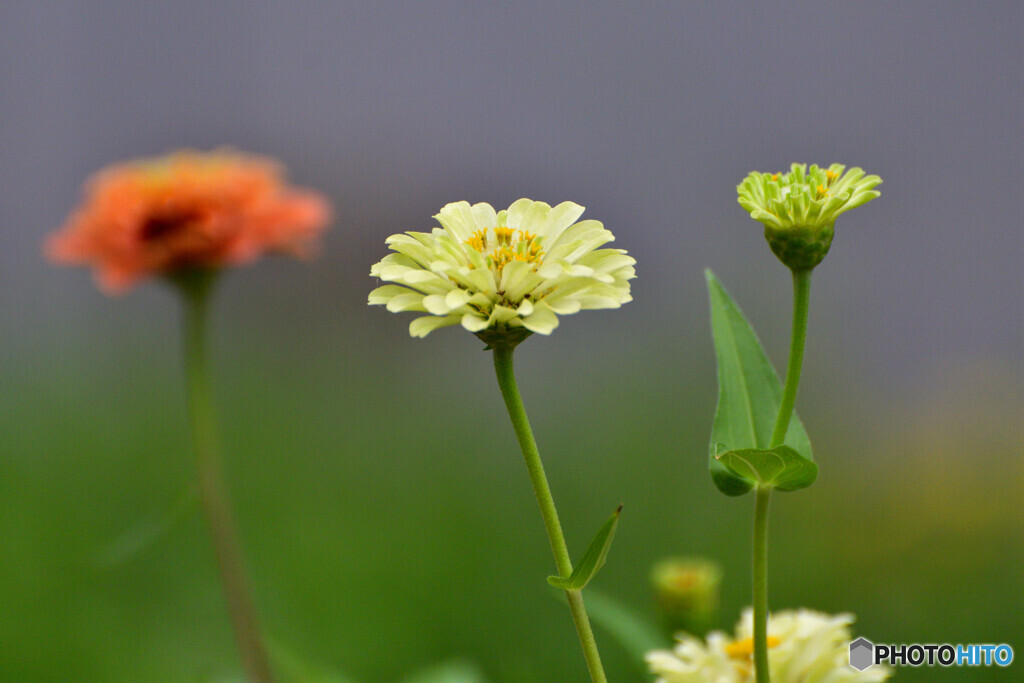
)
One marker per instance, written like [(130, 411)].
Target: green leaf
[(780, 467), (749, 394), (592, 560)]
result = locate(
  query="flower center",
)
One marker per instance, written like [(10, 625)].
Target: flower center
[(818, 191), (743, 649), (160, 225), (502, 245)]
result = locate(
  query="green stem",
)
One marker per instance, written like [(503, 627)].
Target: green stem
[(762, 496), (503, 367), (212, 491), (798, 336), (801, 302)]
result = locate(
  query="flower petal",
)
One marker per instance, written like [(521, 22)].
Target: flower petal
[(383, 294), (421, 327), (542, 321), (457, 220), (474, 322), (413, 301)]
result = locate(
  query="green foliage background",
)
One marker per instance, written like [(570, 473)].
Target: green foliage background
[(387, 515)]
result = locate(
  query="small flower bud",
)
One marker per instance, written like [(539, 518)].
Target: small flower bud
[(686, 591), (799, 208)]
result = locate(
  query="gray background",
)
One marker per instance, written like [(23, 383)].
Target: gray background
[(648, 114)]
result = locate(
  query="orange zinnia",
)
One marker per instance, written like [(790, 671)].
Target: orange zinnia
[(187, 210)]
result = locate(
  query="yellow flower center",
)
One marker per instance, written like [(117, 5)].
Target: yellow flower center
[(509, 245), (744, 649)]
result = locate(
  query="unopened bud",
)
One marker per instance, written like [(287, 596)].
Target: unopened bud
[(686, 591), (799, 208)]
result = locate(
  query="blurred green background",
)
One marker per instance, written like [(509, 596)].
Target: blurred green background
[(385, 510)]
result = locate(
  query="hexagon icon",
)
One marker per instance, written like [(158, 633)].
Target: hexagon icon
[(862, 654)]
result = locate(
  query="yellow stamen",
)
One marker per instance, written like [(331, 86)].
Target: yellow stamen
[(478, 240), (507, 249), (742, 649), (775, 176), (822, 191), (504, 235), (831, 175), (502, 256)]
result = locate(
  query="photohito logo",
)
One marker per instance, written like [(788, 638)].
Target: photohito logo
[(865, 654)]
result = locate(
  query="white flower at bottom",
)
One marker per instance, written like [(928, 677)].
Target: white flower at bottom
[(803, 647), (507, 272)]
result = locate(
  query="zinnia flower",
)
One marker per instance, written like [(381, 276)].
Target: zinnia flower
[(803, 647), (799, 208), (505, 274), (188, 210)]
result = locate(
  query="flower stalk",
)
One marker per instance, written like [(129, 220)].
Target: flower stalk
[(196, 288), (183, 218), (505, 275), (761, 499), (504, 369), (798, 338), (798, 210)]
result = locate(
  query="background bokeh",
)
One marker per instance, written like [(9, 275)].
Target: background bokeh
[(386, 513)]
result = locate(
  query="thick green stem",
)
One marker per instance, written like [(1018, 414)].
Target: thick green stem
[(517, 413), (762, 496), (212, 491), (801, 303)]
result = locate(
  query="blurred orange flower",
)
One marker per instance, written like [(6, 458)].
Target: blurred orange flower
[(184, 211)]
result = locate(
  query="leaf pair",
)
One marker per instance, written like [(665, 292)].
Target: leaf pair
[(592, 560), (749, 393)]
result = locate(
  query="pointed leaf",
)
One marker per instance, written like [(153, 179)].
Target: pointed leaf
[(593, 559), (749, 394)]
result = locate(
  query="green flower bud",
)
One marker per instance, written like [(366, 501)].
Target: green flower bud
[(686, 592), (799, 208)]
